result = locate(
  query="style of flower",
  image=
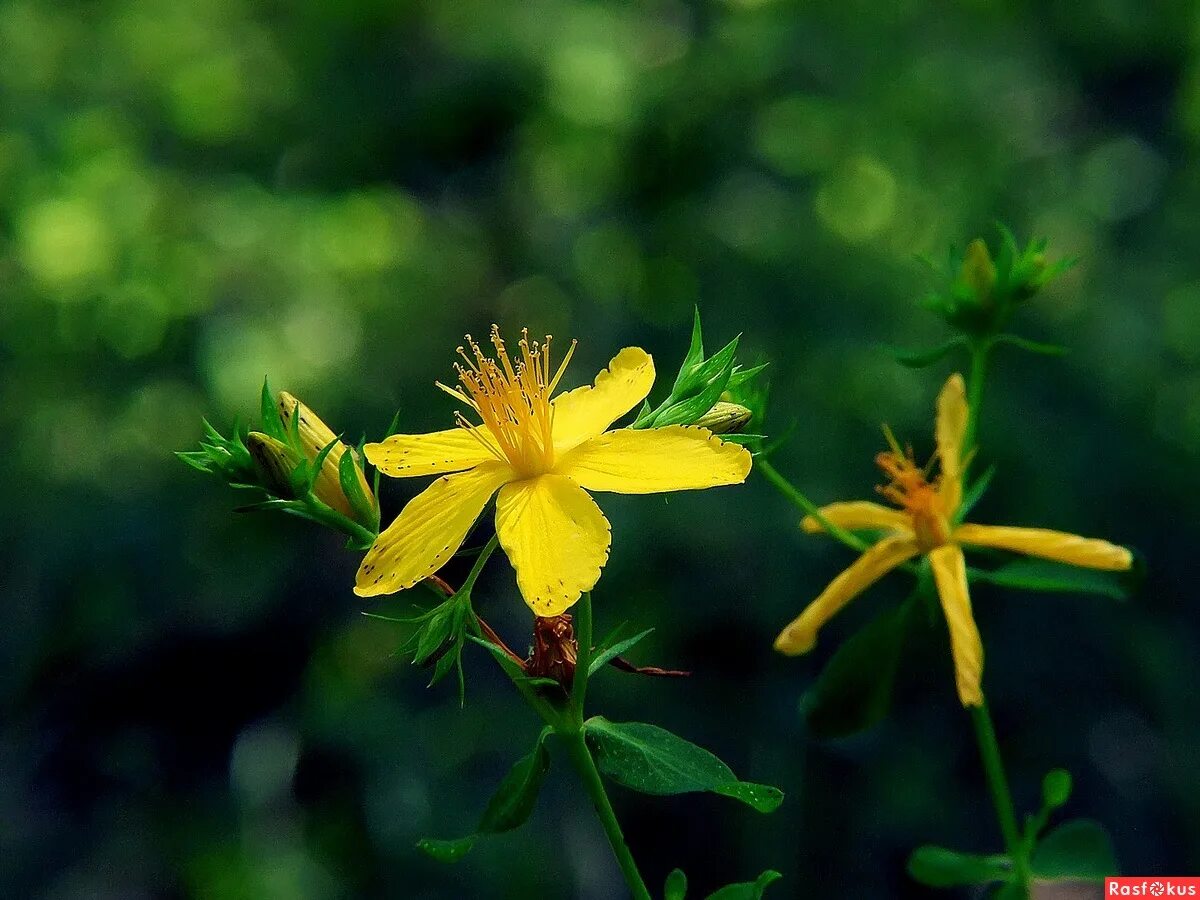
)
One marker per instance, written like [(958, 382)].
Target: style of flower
[(542, 455), (927, 522)]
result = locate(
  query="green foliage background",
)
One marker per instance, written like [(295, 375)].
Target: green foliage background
[(193, 195)]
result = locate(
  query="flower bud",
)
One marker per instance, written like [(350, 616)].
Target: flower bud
[(275, 461), (725, 418), (350, 495), (978, 272)]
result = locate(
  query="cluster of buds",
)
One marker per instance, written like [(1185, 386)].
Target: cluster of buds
[(301, 466), (984, 291), (713, 392)]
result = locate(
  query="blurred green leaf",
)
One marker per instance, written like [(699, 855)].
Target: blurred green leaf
[(676, 886), (941, 867), (1052, 577), (854, 690), (652, 760), (1032, 346), (1056, 788), (1077, 850), (919, 359), (748, 890)]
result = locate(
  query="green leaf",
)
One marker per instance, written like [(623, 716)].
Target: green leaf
[(1077, 850), (614, 651), (941, 867), (1056, 789), (747, 890), (272, 424), (695, 354), (919, 359), (1032, 346), (676, 886), (509, 807), (652, 760), (854, 690), (1044, 575), (975, 491), (364, 509)]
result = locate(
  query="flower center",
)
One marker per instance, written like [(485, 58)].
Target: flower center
[(910, 489), (512, 399)]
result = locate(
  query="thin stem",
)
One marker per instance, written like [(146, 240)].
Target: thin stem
[(480, 562), (581, 757), (790, 491), (980, 350), (989, 752), (583, 655)]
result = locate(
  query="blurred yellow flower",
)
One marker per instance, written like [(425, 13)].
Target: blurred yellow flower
[(927, 523), (542, 455)]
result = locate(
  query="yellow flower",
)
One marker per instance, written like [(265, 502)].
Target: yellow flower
[(927, 523), (542, 455)]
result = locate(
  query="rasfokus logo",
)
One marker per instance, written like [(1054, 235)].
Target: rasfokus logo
[(1151, 886)]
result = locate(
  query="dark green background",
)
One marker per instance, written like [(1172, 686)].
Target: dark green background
[(193, 195)]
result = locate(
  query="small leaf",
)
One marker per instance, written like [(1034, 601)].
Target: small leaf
[(1077, 850), (695, 354), (1032, 346), (272, 424), (941, 867), (676, 886), (652, 760), (854, 690), (974, 493), (447, 851), (614, 651), (1052, 577), (509, 807), (1056, 788), (748, 890), (919, 359)]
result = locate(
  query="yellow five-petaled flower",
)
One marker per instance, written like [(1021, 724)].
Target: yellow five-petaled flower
[(542, 455), (927, 522)]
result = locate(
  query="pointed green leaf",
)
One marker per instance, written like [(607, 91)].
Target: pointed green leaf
[(450, 851), (749, 890), (695, 354), (1077, 850), (676, 886), (1056, 789), (1032, 346), (919, 359), (652, 760), (974, 493), (272, 424), (941, 867), (1053, 577), (854, 690), (604, 658)]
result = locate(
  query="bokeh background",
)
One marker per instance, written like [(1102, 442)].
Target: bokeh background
[(194, 195)]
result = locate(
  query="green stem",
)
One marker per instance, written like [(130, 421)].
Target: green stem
[(989, 751), (980, 350), (790, 491), (581, 757), (583, 656), (480, 561)]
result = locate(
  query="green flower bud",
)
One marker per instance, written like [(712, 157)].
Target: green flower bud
[(978, 272)]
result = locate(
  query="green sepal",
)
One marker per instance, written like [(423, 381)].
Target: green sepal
[(1079, 850), (941, 867), (747, 890), (694, 356), (272, 423), (854, 690), (509, 808), (365, 509), (318, 462), (974, 492), (652, 760), (675, 887)]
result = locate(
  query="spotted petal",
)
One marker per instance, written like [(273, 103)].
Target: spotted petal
[(405, 455), (587, 411), (653, 460), (428, 530), (556, 538)]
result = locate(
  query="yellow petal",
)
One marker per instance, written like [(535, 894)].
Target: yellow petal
[(950, 574), (556, 538), (587, 411), (859, 514), (1056, 545), (952, 414), (428, 530), (404, 455), (801, 635), (653, 460), (315, 436)]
